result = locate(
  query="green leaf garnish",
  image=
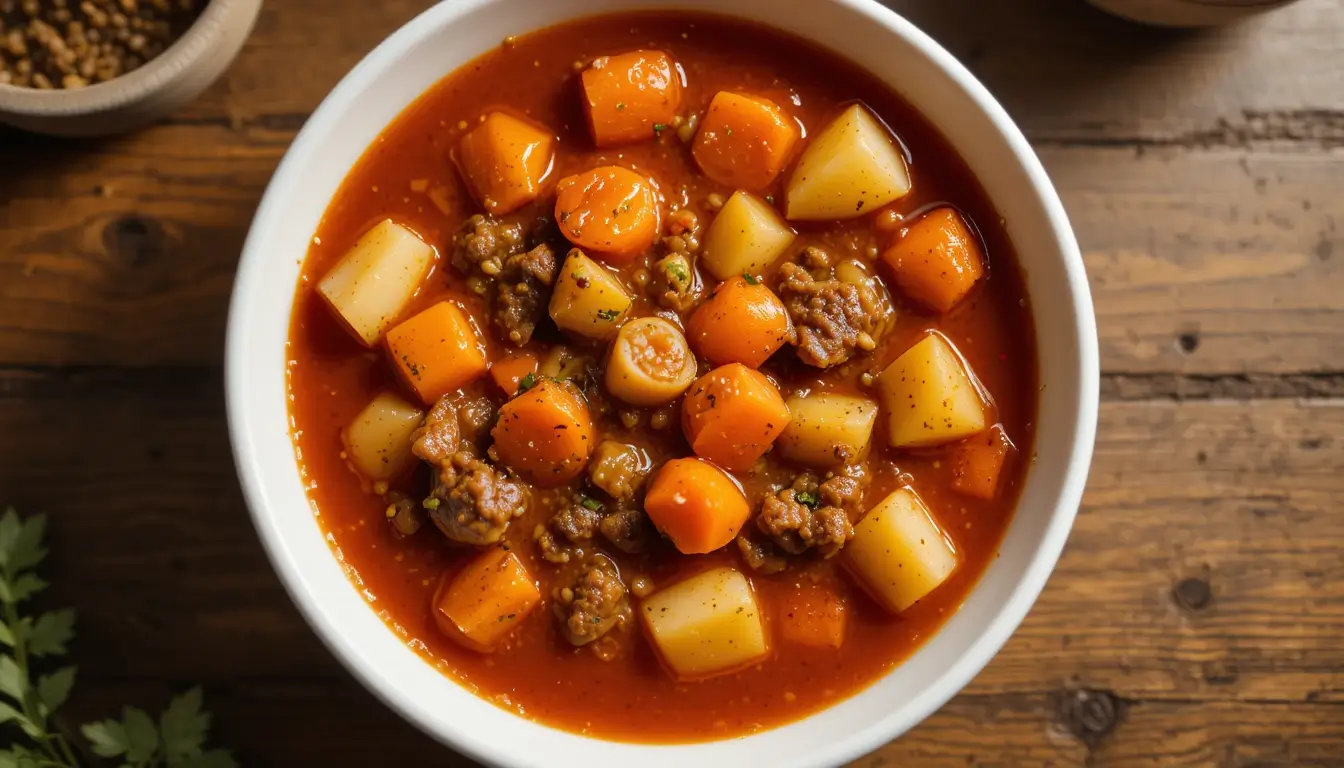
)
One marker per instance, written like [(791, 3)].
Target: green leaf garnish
[(750, 278), (809, 500), (29, 699), (529, 381), (659, 128), (608, 314), (590, 504)]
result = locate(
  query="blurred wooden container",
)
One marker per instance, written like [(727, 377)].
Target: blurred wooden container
[(1187, 13)]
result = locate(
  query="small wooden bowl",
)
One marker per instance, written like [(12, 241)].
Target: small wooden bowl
[(162, 85)]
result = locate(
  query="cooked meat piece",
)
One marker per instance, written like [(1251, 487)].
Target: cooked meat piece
[(591, 601), (760, 556), (405, 515), (832, 318), (578, 521), (842, 491), (483, 243), (439, 436), (472, 502), (629, 529), (619, 469), (796, 519), (523, 292), (491, 252), (453, 425), (474, 419), (552, 549)]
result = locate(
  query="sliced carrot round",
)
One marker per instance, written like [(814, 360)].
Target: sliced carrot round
[(545, 434), (611, 211)]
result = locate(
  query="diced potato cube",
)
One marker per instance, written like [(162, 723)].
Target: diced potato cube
[(437, 351), (828, 430), (707, 625), (370, 286), (745, 237), (851, 168), (378, 440), (898, 553), (588, 300), (504, 161), (930, 396), (486, 600)]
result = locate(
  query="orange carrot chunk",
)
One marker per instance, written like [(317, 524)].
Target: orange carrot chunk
[(630, 97), (744, 141), (504, 161), (814, 616), (486, 600), (545, 434), (696, 505), (936, 260), (611, 211), (977, 464), (732, 416), (437, 351), (742, 322), (512, 370)]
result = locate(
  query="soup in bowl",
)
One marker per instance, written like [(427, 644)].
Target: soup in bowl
[(659, 377)]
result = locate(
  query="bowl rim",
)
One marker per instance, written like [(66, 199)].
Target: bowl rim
[(194, 44), (1000, 626)]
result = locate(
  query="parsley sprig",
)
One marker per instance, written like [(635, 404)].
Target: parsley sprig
[(177, 740)]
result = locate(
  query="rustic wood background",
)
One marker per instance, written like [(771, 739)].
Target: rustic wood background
[(1197, 617)]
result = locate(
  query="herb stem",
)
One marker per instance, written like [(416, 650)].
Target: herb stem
[(26, 700)]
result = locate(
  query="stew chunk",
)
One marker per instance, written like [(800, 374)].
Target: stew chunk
[(592, 602), (630, 97), (504, 161), (833, 319), (811, 515), (517, 280)]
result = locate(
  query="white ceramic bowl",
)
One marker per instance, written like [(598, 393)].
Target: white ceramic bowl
[(371, 96)]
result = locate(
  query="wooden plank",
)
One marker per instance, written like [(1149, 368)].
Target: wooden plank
[(1202, 590), (1057, 66), (1209, 262)]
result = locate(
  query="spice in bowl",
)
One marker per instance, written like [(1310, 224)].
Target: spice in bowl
[(50, 44)]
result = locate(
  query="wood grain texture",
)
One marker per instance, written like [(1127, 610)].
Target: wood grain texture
[(1202, 593)]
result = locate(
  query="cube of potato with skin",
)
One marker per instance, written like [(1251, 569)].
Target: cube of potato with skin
[(937, 260), (626, 97), (745, 237), (504, 161), (851, 168), (744, 141), (828, 430), (373, 282), (378, 440), (931, 396), (898, 553), (707, 625), (587, 299), (486, 601), (437, 351)]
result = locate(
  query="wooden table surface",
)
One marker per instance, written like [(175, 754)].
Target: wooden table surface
[(1197, 616)]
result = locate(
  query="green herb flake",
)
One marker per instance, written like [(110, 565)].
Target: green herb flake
[(608, 314), (590, 504), (678, 271), (750, 278), (527, 382), (808, 500), (431, 503), (659, 128)]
